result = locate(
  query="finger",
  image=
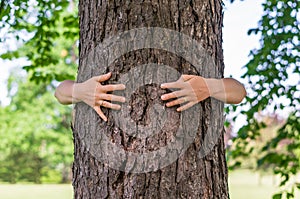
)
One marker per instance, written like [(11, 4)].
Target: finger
[(110, 105), (102, 78), (100, 113), (186, 77), (186, 106), (113, 87), (172, 95), (176, 84), (110, 97), (177, 101)]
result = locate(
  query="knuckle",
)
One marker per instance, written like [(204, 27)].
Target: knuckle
[(176, 93), (99, 89), (110, 87), (98, 96)]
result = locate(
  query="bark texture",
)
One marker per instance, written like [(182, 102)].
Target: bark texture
[(189, 176)]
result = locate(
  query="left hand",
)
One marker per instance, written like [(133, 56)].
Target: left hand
[(192, 89)]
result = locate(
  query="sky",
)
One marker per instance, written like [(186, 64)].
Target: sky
[(239, 17)]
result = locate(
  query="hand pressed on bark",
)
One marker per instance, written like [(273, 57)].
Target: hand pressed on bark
[(193, 89), (91, 92)]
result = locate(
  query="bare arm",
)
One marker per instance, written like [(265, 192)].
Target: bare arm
[(64, 93), (193, 89), (91, 92), (227, 90)]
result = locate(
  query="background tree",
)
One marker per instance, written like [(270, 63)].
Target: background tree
[(46, 34), (35, 137), (273, 86), (36, 142)]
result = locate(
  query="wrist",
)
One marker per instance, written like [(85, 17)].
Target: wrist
[(214, 86), (76, 90)]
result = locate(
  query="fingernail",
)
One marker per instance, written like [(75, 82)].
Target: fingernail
[(123, 99), (162, 97), (162, 85), (178, 110)]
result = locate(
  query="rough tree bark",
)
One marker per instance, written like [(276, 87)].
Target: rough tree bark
[(189, 176)]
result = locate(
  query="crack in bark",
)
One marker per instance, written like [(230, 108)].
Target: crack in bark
[(187, 176)]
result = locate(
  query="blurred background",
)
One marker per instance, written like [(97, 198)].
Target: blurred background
[(39, 48)]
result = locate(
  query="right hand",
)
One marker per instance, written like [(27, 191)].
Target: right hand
[(93, 93)]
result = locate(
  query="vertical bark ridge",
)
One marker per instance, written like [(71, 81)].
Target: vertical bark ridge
[(189, 176)]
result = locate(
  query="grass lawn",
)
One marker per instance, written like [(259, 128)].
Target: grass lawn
[(20, 191), (243, 184)]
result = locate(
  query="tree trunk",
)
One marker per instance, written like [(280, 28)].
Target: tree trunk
[(140, 152)]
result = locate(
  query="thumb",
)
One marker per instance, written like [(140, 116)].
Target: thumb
[(100, 113), (102, 78)]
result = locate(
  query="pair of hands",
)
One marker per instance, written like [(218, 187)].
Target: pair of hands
[(191, 90)]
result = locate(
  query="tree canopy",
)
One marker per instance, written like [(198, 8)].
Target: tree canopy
[(273, 88), (36, 141)]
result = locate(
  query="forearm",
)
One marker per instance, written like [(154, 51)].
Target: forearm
[(64, 93), (227, 90)]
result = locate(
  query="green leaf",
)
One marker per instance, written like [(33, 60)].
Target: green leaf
[(277, 196)]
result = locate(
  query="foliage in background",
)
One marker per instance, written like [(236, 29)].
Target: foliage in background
[(35, 137), (41, 28), (274, 87)]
